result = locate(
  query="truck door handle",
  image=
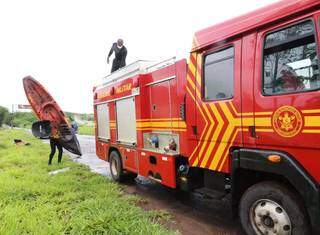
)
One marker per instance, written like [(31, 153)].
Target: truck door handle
[(194, 130), (252, 131)]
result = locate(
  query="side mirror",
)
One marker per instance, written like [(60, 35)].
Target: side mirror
[(41, 129)]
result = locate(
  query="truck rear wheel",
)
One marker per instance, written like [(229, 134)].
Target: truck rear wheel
[(116, 168), (271, 208)]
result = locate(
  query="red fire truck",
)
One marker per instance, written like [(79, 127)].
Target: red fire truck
[(241, 118)]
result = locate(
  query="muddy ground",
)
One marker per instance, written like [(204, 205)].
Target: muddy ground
[(190, 214)]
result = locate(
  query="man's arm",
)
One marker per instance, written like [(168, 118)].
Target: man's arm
[(125, 53), (124, 56), (110, 52)]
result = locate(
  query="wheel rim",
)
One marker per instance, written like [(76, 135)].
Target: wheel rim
[(268, 217), (114, 167)]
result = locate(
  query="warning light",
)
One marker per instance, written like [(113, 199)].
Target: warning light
[(274, 158)]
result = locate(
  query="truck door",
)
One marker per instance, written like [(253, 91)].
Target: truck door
[(286, 89), (160, 102), (218, 105)]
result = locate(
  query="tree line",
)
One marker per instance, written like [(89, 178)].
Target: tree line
[(25, 119), (16, 119)]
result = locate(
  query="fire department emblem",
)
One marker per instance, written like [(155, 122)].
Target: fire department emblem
[(287, 121)]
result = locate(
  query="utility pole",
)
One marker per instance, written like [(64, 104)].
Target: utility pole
[(12, 107)]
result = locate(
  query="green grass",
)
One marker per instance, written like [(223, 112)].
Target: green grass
[(86, 130), (73, 202)]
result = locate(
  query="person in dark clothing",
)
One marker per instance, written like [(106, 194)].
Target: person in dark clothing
[(120, 52), (54, 143)]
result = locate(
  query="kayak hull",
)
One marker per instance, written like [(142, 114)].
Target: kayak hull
[(47, 109)]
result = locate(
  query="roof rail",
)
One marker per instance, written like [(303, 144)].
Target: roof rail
[(135, 68), (162, 64)]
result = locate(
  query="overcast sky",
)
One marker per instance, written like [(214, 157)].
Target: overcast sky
[(64, 43)]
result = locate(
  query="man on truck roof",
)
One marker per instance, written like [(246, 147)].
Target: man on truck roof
[(120, 52)]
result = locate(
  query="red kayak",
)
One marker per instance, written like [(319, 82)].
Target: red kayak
[(47, 109)]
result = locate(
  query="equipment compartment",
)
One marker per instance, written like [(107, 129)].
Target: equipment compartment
[(158, 167)]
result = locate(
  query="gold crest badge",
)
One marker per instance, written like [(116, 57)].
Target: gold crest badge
[(287, 121)]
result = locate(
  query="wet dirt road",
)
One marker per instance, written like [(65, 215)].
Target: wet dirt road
[(190, 215)]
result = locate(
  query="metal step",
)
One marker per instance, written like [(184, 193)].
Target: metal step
[(209, 194)]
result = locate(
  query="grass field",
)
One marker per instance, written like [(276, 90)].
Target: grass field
[(86, 130), (73, 202)]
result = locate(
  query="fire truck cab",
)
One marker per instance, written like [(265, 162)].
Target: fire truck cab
[(241, 119)]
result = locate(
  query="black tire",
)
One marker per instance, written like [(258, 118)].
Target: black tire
[(264, 204), (130, 177), (116, 168)]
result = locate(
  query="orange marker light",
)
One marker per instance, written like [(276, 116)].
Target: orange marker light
[(274, 158)]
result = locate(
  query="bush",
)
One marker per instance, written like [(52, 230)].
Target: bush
[(82, 116), (21, 119), (4, 112)]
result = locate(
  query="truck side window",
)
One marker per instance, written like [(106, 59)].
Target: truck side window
[(291, 61), (218, 75)]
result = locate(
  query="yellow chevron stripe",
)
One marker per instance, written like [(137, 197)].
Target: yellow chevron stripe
[(192, 68), (263, 113), (227, 153), (312, 121), (237, 113), (264, 130), (263, 121), (311, 131), (162, 129), (198, 94), (204, 130), (191, 83), (195, 149), (226, 136), (158, 119), (215, 135), (194, 56), (249, 113), (258, 121), (248, 121), (175, 124), (211, 125), (194, 87), (231, 142), (198, 77), (191, 94), (211, 120), (311, 111), (202, 134), (233, 121), (222, 145)]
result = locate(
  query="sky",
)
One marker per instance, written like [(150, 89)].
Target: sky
[(64, 43)]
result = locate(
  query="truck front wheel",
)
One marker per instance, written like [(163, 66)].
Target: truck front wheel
[(271, 208)]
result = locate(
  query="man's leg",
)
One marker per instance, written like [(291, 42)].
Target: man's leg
[(60, 152), (53, 150), (113, 68), (115, 65)]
